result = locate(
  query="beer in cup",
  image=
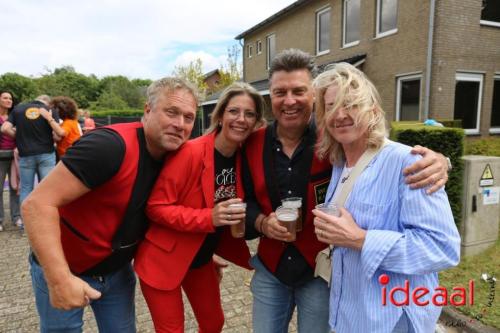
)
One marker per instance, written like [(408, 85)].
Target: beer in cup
[(238, 229), (294, 202), (287, 217)]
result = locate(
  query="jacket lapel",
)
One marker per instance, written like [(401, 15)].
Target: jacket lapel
[(208, 172)]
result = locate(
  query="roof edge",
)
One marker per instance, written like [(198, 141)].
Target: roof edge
[(272, 18)]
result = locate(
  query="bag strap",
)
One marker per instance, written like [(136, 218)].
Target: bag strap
[(360, 166)]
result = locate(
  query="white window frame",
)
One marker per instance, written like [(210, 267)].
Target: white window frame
[(259, 47), (344, 20), (318, 14), (490, 23), (388, 32), (400, 80), (472, 77), (495, 130), (249, 50), (268, 53)]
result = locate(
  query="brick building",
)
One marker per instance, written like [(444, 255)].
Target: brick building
[(399, 45)]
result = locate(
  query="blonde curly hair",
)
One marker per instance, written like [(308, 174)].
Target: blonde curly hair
[(355, 90)]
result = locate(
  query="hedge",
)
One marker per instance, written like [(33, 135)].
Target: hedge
[(487, 146), (447, 141), (118, 113)]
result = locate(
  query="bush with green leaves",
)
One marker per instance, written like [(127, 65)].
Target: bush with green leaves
[(485, 146), (447, 141)]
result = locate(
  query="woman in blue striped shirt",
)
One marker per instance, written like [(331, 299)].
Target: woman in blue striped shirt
[(387, 235)]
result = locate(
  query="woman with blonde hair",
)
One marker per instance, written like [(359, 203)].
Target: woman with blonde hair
[(190, 215), (387, 234)]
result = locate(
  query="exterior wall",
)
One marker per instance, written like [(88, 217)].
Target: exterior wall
[(401, 53), (462, 44), (212, 82)]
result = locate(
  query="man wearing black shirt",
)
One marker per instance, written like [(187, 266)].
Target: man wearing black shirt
[(34, 141), (280, 163), (86, 219)]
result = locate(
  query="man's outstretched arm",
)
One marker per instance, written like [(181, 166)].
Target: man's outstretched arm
[(41, 218)]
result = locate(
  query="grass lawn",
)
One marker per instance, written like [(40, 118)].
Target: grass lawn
[(472, 268)]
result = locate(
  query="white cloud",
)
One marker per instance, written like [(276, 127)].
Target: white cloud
[(135, 38)]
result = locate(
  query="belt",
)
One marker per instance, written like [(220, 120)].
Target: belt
[(99, 278)]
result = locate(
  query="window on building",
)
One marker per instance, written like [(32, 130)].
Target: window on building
[(249, 50), (408, 98), (323, 31), (351, 23), (271, 48), (495, 106), (259, 47), (490, 12), (468, 92), (387, 17)]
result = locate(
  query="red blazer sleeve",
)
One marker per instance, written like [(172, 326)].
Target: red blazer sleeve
[(177, 193)]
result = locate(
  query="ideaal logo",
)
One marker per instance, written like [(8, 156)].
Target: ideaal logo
[(459, 296)]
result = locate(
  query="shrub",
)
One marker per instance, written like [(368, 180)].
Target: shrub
[(447, 141), (487, 146), (118, 113)]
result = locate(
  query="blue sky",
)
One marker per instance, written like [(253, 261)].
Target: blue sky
[(139, 39)]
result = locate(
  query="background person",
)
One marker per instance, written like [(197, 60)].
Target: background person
[(88, 123), (86, 219), (190, 217), (33, 135), (385, 227), (7, 146), (69, 131), (282, 163)]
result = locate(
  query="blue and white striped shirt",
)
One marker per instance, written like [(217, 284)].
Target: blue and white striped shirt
[(410, 236)]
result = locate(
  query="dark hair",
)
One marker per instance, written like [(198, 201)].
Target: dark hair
[(65, 106), (3, 91), (291, 60)]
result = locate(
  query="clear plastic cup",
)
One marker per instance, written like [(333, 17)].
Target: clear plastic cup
[(287, 217), (329, 208), (294, 202), (238, 230)]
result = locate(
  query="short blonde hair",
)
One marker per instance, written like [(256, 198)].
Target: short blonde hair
[(235, 89), (168, 85), (354, 90)]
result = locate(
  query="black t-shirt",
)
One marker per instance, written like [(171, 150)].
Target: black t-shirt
[(97, 156), (33, 132), (225, 188)]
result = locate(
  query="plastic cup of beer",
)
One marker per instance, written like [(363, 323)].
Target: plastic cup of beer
[(238, 229), (287, 217), (329, 208), (294, 202)]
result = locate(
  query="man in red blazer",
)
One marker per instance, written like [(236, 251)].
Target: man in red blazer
[(85, 220)]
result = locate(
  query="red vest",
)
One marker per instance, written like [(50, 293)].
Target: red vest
[(91, 221), (259, 158)]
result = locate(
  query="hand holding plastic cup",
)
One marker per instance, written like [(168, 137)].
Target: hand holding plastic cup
[(328, 208), (287, 217), (238, 229), (294, 202)]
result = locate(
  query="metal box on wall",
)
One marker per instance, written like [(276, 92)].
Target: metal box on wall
[(480, 203)]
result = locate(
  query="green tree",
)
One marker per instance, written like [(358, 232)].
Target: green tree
[(193, 72), (109, 100), (67, 82), (23, 88), (130, 92), (232, 70)]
